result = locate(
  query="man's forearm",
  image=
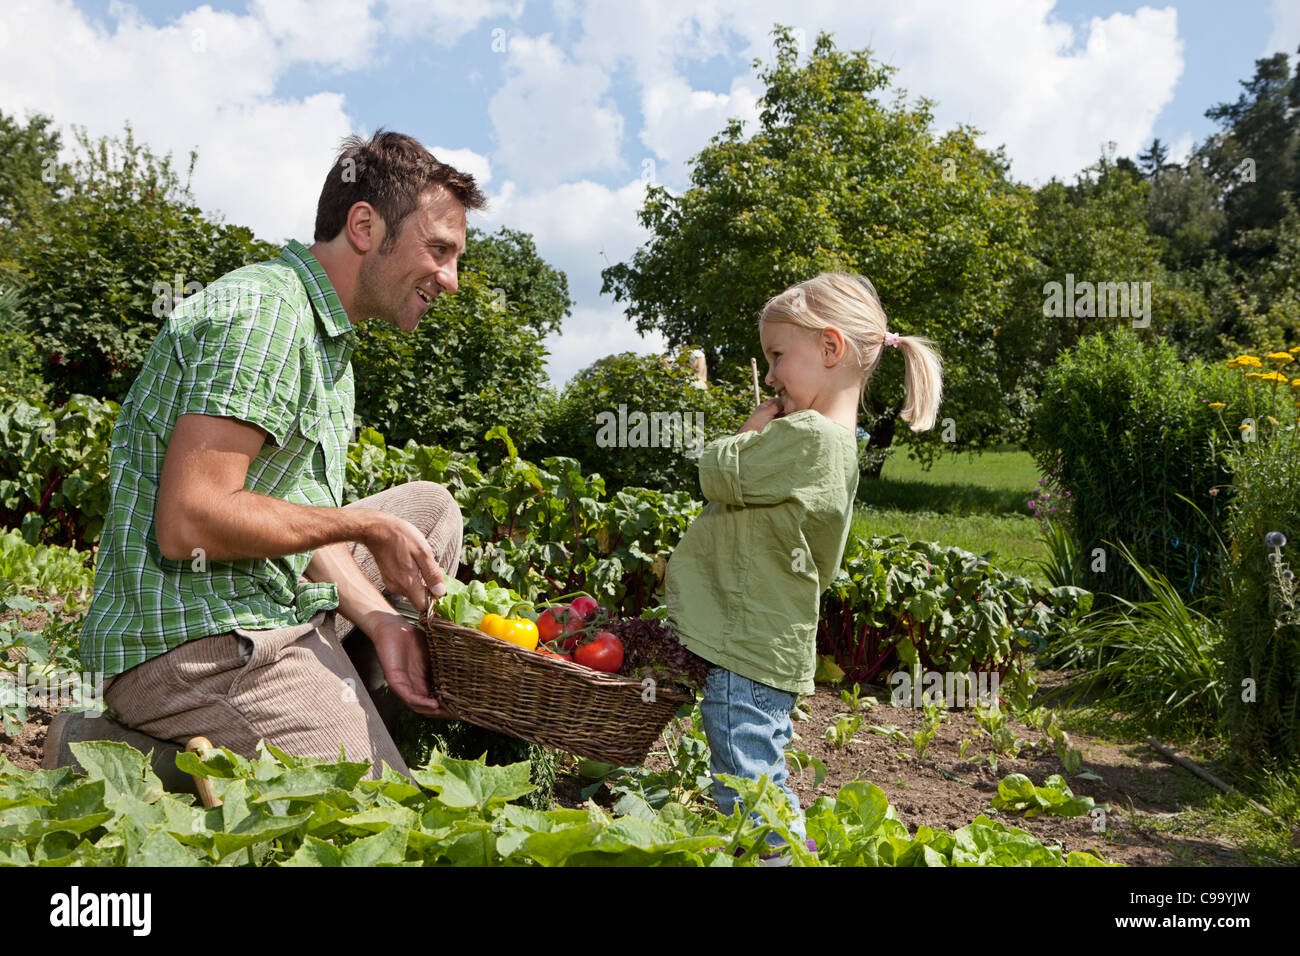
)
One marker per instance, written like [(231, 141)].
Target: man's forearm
[(246, 524), (359, 600)]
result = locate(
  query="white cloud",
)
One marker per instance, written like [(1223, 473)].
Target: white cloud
[(592, 333), (551, 118), (1008, 67), (204, 80), (338, 33), (680, 120), (467, 161), (446, 21), (1285, 35)]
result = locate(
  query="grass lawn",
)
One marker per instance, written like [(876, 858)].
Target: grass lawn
[(974, 501)]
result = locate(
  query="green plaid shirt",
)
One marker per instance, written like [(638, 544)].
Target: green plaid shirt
[(268, 344)]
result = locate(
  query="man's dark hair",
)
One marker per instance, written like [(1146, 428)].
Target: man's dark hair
[(391, 172)]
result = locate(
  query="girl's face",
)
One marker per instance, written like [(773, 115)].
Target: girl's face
[(796, 364)]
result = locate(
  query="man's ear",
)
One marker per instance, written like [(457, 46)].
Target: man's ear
[(365, 227)]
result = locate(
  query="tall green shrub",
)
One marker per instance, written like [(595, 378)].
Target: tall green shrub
[(1128, 421), (1262, 618), (470, 365), (595, 421), (103, 262)]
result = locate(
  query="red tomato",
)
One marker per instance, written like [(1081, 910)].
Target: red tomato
[(584, 607), (604, 653), (550, 623)]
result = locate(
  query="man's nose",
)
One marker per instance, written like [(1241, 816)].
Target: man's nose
[(449, 280)]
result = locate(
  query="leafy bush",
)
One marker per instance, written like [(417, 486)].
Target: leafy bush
[(927, 607), (1262, 622), (595, 421), (102, 263), (20, 363), (1128, 422), (470, 365), (54, 468)]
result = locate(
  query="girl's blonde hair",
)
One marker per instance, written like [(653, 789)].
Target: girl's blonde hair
[(849, 303)]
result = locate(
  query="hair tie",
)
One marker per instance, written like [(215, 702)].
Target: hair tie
[(892, 338)]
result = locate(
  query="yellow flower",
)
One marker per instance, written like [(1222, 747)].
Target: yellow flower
[(1269, 376), (1254, 375), (1295, 383), (1280, 358), (1221, 405), (1245, 360), (1271, 419)]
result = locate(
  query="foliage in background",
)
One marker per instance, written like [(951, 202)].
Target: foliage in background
[(54, 468), (922, 607), (1262, 623), (474, 361), (20, 363), (99, 263), (1128, 421), (647, 385), (55, 572), (1157, 660), (522, 283)]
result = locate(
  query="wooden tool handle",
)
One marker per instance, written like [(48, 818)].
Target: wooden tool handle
[(202, 746)]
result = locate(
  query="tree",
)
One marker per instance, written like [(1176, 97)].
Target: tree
[(101, 265), (1153, 160), (1255, 159), (1184, 209), (472, 363), (520, 279), (835, 179), (31, 171)]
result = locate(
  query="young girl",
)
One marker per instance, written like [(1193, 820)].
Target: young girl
[(744, 585)]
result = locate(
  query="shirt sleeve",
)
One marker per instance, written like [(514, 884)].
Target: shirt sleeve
[(760, 468), (241, 360)]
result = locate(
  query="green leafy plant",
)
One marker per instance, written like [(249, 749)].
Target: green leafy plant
[(840, 734), (282, 810), (934, 716), (1018, 793)]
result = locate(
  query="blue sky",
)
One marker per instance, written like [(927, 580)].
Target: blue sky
[(560, 107)]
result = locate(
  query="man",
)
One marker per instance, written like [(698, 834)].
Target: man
[(229, 571)]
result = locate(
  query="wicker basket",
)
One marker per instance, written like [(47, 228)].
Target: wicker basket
[(545, 700)]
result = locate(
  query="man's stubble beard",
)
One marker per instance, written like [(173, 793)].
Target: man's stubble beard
[(370, 291)]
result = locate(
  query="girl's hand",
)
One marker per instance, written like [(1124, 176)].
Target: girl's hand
[(762, 415)]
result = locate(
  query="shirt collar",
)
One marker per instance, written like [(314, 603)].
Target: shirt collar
[(324, 300)]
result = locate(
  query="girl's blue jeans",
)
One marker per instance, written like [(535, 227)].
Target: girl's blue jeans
[(748, 727)]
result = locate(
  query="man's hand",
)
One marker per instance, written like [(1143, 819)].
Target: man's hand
[(406, 562), (404, 655), (756, 422)]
